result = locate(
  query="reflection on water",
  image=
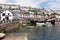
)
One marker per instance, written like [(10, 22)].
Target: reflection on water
[(39, 33)]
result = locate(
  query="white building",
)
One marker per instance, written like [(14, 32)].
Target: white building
[(6, 14)]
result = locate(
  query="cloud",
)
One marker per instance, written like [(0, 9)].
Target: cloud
[(54, 4), (31, 3), (48, 4), (3, 1)]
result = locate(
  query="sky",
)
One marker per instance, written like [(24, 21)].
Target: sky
[(47, 4)]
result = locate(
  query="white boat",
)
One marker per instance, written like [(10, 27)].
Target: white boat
[(2, 36), (40, 24), (48, 24), (44, 24)]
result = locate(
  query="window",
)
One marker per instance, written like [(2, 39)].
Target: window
[(3, 14), (8, 13)]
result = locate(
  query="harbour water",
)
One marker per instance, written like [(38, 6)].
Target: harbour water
[(38, 33)]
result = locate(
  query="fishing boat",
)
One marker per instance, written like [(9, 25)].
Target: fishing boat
[(49, 22)]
